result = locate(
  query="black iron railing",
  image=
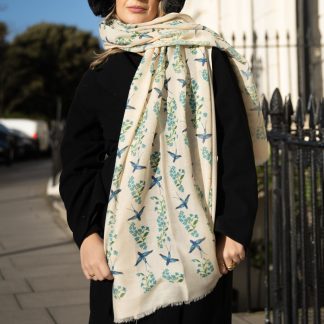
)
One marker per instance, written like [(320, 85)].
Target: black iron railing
[(293, 214)]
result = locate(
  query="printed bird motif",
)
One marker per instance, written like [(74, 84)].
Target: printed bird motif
[(204, 136), (183, 82), (174, 155), (158, 91), (184, 202), (144, 35), (113, 194), (137, 214), (168, 258), (165, 83), (130, 107), (136, 166), (115, 272), (156, 180), (142, 256), (195, 244), (127, 104), (120, 151), (203, 60)]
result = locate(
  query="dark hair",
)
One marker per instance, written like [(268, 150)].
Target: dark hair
[(103, 7)]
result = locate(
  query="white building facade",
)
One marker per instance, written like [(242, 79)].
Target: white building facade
[(276, 62)]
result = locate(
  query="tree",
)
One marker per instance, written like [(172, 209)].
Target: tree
[(45, 62), (3, 49)]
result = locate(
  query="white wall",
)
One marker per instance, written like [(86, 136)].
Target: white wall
[(233, 16)]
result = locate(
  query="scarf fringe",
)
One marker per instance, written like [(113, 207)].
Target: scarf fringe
[(151, 311)]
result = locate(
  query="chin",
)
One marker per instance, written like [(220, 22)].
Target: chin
[(135, 19)]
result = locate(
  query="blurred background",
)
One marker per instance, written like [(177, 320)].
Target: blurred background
[(46, 46)]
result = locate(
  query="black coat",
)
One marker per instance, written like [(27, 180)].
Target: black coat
[(92, 131)]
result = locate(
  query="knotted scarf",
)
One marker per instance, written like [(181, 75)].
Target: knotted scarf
[(159, 236)]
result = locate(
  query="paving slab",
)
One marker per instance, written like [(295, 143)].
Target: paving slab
[(14, 286), (43, 271), (53, 298), (29, 316), (78, 314), (60, 283), (8, 302), (24, 261)]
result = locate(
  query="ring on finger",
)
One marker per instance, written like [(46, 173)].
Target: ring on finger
[(231, 267)]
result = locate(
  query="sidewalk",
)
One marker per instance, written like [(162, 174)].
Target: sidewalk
[(41, 281)]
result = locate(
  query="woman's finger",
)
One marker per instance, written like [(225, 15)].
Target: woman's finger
[(87, 271), (105, 271)]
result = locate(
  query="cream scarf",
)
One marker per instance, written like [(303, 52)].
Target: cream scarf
[(159, 230)]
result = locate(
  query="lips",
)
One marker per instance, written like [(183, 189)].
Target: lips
[(136, 7)]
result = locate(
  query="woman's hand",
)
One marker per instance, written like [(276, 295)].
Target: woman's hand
[(228, 251), (93, 260)]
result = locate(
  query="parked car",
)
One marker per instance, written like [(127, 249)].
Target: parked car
[(7, 145), (24, 145), (36, 130)]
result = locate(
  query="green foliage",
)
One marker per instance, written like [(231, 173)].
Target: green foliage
[(3, 34), (42, 63)]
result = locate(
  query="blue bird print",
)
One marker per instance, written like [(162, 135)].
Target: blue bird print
[(142, 256), (158, 91), (168, 258), (184, 202), (136, 166), (130, 107), (113, 194), (175, 156), (156, 180), (183, 82), (115, 272), (137, 214), (120, 151), (165, 84), (204, 136), (203, 60), (195, 244), (144, 35)]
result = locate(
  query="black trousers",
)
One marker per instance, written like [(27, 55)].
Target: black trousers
[(215, 308)]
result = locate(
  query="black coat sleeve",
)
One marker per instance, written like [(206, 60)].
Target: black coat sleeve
[(237, 187), (84, 167)]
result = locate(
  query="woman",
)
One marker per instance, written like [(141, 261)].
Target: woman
[(93, 130)]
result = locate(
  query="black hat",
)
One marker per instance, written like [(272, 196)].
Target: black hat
[(102, 7)]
